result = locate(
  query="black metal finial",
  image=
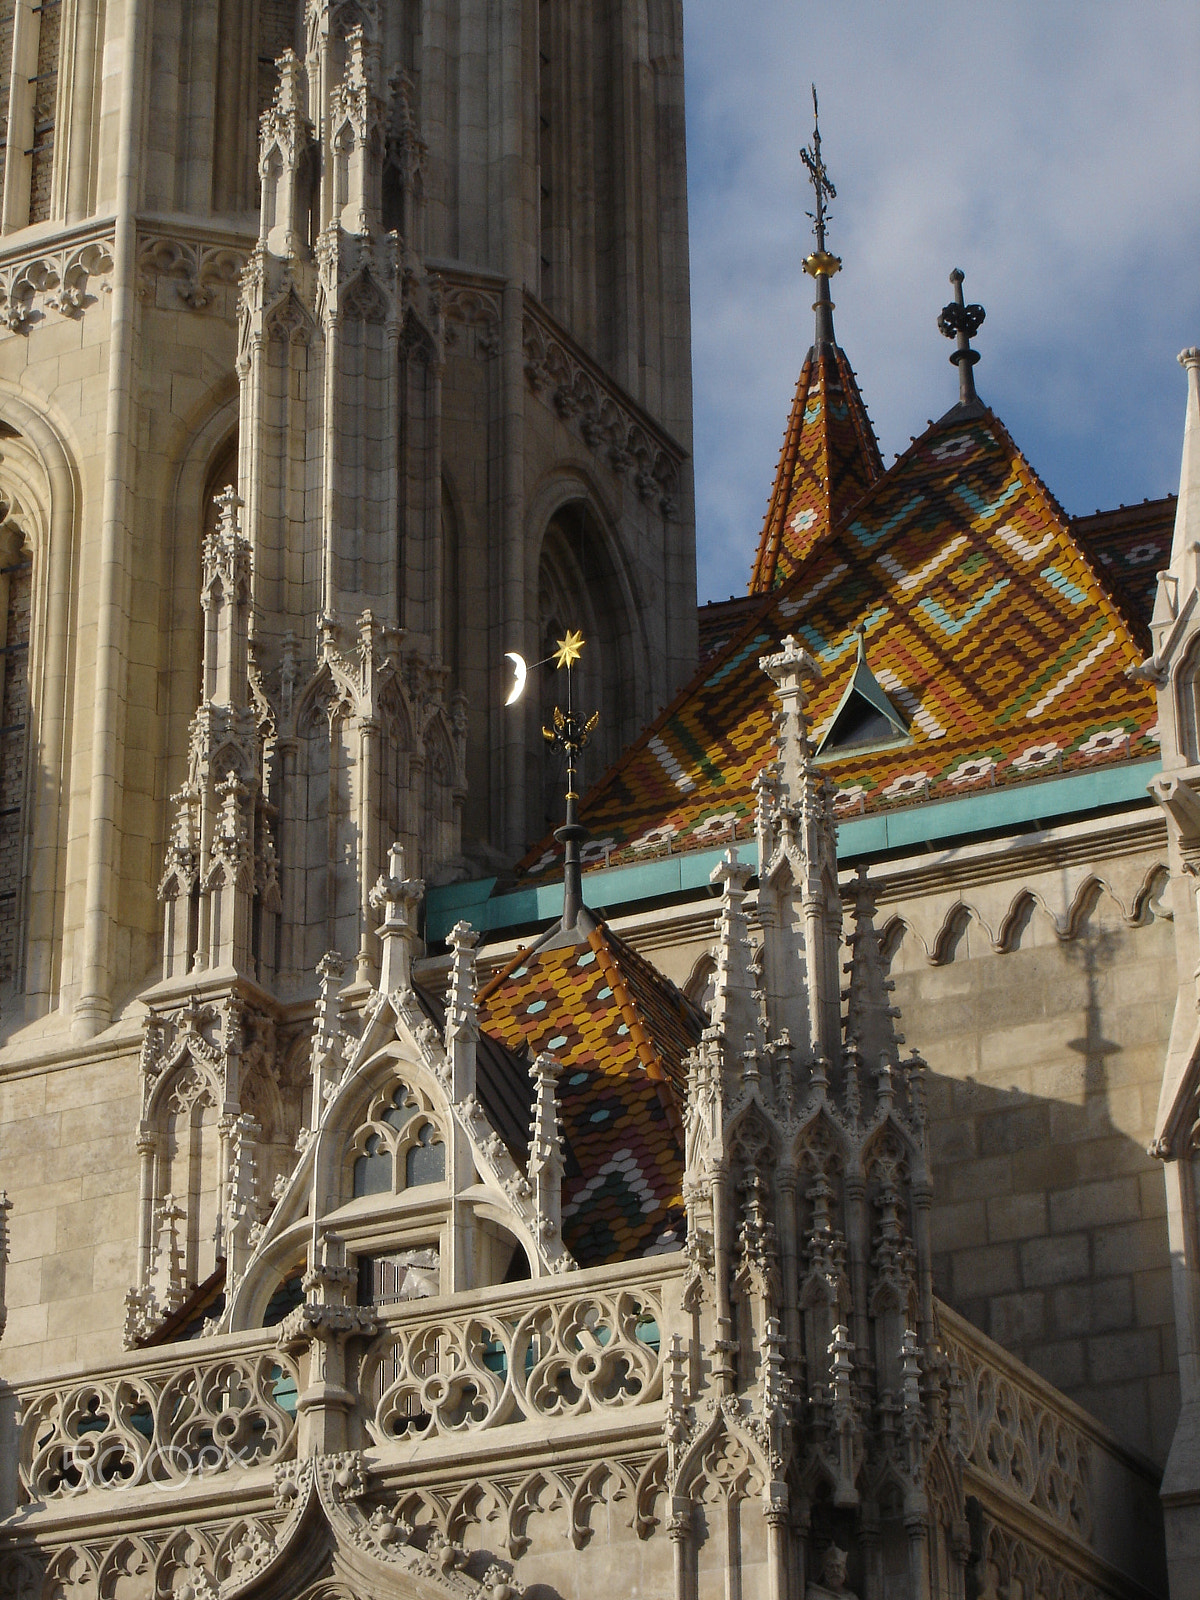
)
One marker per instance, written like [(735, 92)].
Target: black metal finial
[(962, 322), (821, 264), (570, 733)]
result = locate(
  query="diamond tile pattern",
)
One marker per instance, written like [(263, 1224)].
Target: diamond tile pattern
[(986, 624), (1131, 544), (622, 1033), (829, 460)]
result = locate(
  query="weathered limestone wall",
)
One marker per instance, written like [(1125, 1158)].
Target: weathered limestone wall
[(68, 1161), (118, 342), (1049, 1220)]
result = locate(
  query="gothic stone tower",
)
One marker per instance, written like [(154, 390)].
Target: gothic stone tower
[(412, 278)]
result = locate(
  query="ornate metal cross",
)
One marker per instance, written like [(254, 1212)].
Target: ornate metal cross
[(819, 177)]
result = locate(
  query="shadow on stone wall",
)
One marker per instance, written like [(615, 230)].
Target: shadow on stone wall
[(1049, 1220)]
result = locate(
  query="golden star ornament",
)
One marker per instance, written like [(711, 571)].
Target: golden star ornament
[(568, 650)]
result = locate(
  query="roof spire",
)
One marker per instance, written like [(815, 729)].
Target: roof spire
[(963, 321), (821, 264), (570, 733)]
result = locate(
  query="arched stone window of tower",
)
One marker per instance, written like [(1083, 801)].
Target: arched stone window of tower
[(452, 598), (16, 597), (279, 29), (30, 46), (190, 1170), (578, 587), (251, 35)]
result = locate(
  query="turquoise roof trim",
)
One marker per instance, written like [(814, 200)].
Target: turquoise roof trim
[(618, 888)]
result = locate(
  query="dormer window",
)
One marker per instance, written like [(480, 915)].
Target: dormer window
[(399, 1148), (865, 718)]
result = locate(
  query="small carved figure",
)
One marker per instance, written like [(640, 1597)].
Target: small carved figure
[(833, 1578)]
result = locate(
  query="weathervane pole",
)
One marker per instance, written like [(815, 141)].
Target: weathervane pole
[(570, 734)]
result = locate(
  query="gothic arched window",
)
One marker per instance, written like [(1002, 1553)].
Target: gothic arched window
[(16, 596), (398, 1147), (578, 587)]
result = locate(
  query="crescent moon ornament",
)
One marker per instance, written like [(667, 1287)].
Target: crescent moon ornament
[(521, 670)]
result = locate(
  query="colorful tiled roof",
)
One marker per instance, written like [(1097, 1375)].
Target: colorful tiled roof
[(829, 460), (985, 623), (720, 620), (622, 1033), (1131, 544)]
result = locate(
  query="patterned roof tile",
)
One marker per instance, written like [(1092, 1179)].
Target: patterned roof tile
[(830, 458), (986, 623), (622, 1033), (1131, 545)]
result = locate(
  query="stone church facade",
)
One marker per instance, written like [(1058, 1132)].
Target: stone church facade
[(344, 348)]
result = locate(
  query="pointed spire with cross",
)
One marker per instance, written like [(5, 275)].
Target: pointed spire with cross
[(961, 322), (821, 264)]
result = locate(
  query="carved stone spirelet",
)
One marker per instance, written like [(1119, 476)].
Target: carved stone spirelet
[(807, 1191)]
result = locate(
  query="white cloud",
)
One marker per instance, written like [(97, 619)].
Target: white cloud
[(1049, 149)]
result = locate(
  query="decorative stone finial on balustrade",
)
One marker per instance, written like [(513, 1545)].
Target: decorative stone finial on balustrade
[(168, 1279), (462, 1020), (327, 1061), (546, 1161), (5, 1208), (242, 1204), (398, 898)]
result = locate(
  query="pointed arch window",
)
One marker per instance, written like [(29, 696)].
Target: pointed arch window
[(30, 47), (399, 1147), (16, 594)]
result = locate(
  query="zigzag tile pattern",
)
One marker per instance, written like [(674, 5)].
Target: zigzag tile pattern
[(622, 1033), (829, 460), (985, 622)]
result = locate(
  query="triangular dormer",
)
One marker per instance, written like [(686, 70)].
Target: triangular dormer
[(865, 719)]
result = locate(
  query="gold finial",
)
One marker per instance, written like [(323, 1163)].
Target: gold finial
[(568, 650)]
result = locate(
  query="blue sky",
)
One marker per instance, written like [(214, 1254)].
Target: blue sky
[(1052, 150)]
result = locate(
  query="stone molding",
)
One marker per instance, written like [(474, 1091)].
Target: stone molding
[(63, 279), (199, 263), (608, 420)]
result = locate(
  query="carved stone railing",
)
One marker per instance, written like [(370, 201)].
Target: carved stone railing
[(160, 1417), (591, 1343), (1054, 1484), (584, 1344)]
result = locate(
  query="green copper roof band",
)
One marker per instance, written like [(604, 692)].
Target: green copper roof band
[(616, 887)]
